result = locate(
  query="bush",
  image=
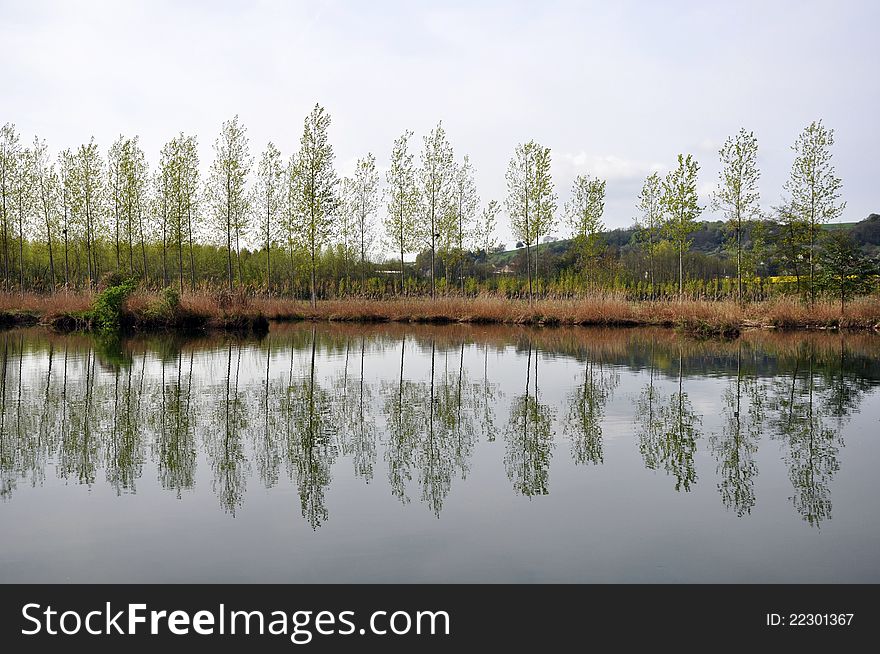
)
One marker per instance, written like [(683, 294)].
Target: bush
[(107, 308), (166, 306)]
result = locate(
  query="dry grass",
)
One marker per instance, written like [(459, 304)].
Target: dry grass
[(723, 317), (46, 304), (702, 316)]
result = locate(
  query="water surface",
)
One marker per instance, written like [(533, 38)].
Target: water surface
[(396, 453)]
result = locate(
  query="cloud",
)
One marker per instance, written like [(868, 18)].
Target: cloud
[(608, 166)]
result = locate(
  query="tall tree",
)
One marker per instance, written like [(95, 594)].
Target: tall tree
[(87, 201), (269, 202), (227, 188), (521, 202), (66, 166), (135, 180), (317, 192), (366, 202), (116, 163), (9, 159), (189, 188), (814, 187), (403, 200), (584, 212), (162, 203), (545, 199), (737, 194), (24, 200), (681, 206), (650, 221), (47, 189), (291, 219), (436, 179), (467, 202), (171, 170)]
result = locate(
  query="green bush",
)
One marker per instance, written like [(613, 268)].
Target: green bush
[(107, 308), (166, 306)]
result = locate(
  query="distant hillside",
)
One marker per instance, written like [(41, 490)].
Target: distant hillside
[(708, 239)]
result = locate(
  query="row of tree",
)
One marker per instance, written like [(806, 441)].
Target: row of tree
[(85, 214)]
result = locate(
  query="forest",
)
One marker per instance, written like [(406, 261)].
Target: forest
[(294, 228)]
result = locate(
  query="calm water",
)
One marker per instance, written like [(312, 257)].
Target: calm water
[(350, 453)]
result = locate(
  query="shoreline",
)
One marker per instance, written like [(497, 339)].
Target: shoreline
[(206, 312)]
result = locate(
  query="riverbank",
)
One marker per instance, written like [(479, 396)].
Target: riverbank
[(719, 318), (146, 311), (138, 312)]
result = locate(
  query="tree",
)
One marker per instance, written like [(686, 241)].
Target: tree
[(227, 187), (844, 269), (650, 220), (520, 202), (403, 200), (188, 188), (467, 201), (172, 171), (87, 200), (364, 199), (269, 202), (66, 165), (814, 187), (436, 178), (317, 182), (136, 179), (291, 220), (484, 232), (345, 229), (115, 174), (544, 201), (737, 194), (9, 159), (47, 188), (584, 213), (162, 201), (24, 200), (680, 204), (791, 242)]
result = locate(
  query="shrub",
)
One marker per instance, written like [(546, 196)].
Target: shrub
[(165, 306), (107, 308)]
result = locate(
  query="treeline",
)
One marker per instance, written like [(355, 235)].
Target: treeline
[(294, 227)]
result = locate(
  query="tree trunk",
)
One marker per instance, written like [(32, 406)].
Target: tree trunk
[(192, 259)]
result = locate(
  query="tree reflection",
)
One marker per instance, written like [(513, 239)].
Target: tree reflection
[(811, 447), (310, 448), (668, 438), (269, 437), (735, 447), (358, 439), (80, 447), (403, 419), (587, 410), (110, 410), (529, 439), (224, 442), (176, 445), (487, 396)]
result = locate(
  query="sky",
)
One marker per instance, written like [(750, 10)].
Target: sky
[(615, 89)]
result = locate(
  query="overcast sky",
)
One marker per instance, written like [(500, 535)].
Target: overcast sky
[(616, 89)]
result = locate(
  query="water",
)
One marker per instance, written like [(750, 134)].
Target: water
[(397, 453)]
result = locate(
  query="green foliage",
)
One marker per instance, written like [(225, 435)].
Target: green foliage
[(681, 208), (107, 308), (166, 306), (844, 270)]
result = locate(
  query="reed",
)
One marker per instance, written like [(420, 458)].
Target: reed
[(145, 310)]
